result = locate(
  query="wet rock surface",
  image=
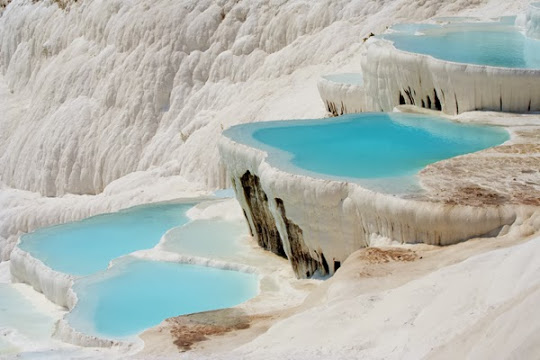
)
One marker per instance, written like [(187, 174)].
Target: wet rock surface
[(262, 224), (302, 262)]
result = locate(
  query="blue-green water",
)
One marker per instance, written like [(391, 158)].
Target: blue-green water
[(137, 294), (365, 146), (214, 238), (17, 312), (493, 44), (87, 246), (346, 78)]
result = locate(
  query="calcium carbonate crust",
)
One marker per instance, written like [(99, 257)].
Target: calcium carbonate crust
[(394, 77), (58, 288), (321, 222), (105, 88), (54, 285), (340, 98)]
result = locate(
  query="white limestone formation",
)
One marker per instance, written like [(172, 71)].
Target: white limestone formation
[(56, 286), (106, 88), (394, 77), (319, 222), (341, 97), (123, 101)]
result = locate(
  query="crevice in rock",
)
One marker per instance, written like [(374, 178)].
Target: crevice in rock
[(457, 106), (324, 263), (337, 265), (302, 262), (332, 109), (265, 231), (409, 95), (401, 99), (437, 101), (428, 102)]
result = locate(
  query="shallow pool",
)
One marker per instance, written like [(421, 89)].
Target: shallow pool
[(365, 146), (137, 294), (214, 238), (20, 321), (494, 43), (87, 246), (346, 78)]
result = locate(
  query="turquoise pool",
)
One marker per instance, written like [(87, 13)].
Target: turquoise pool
[(498, 44), (87, 246), (137, 294), (365, 146), (346, 78), (215, 238), (17, 312)]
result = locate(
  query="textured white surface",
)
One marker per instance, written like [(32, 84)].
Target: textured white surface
[(92, 94), (388, 72), (54, 285), (476, 309), (111, 87), (342, 98), (338, 218), (127, 99)]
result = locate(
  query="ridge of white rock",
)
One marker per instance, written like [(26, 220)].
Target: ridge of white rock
[(394, 77), (64, 332), (342, 98), (56, 286)]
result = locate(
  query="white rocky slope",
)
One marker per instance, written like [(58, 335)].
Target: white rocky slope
[(110, 87), (126, 99), (101, 89), (481, 308)]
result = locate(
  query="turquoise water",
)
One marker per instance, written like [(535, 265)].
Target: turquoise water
[(138, 294), (494, 44), (346, 78), (207, 238), (87, 246), (224, 193), (365, 146), (18, 313)]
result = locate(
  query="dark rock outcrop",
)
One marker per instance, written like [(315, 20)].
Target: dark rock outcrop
[(262, 225), (302, 262)]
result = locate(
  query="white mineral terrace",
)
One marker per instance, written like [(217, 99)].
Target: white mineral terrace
[(108, 104), (390, 74), (343, 94), (321, 222), (393, 77)]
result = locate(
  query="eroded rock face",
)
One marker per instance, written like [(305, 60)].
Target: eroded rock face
[(302, 262), (262, 224), (264, 227)]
